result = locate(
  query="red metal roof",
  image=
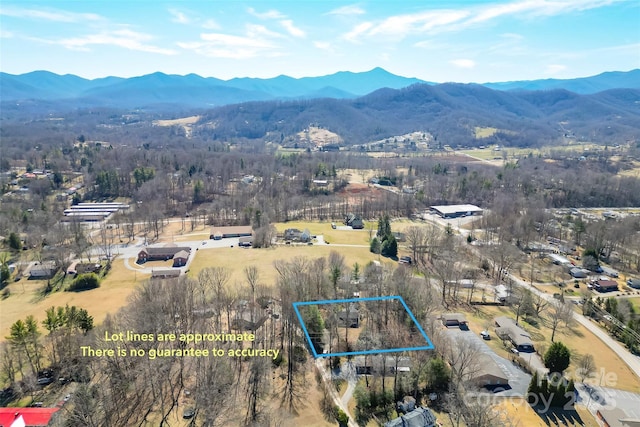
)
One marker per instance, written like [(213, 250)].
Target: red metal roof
[(33, 417)]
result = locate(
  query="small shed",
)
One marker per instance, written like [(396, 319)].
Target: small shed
[(453, 319)]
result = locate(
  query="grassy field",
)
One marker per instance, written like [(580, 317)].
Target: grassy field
[(236, 259), (25, 297), (484, 132), (578, 339), (518, 410), (635, 301), (343, 237), (177, 122)]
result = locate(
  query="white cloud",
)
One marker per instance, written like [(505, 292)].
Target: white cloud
[(554, 69), (441, 20), (358, 30), (6, 34), (347, 10), (270, 14), (124, 38), (210, 24), (323, 45), (292, 29), (256, 42), (49, 15), (463, 63), (401, 25), (529, 8), (179, 17)]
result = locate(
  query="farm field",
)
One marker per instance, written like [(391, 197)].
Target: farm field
[(236, 259)]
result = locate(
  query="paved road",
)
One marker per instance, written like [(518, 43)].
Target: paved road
[(326, 377)]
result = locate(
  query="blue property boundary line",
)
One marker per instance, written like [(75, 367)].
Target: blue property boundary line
[(430, 345)]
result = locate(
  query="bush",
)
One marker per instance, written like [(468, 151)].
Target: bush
[(84, 282)]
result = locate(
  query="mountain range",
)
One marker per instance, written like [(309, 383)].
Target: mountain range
[(193, 91)]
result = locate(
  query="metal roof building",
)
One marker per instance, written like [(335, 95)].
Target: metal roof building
[(455, 211)]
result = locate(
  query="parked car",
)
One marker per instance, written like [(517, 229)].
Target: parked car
[(188, 413), (405, 260), (514, 350), (485, 335)]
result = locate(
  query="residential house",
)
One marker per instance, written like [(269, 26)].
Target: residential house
[(604, 285), (248, 319), (160, 253), (578, 273), (218, 233), (354, 221), (43, 271), (488, 373), (349, 318), (26, 417), (506, 328), (381, 364), (180, 259), (419, 417), (634, 283), (295, 235), (88, 268)]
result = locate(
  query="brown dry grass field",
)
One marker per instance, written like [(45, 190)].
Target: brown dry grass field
[(523, 415), (236, 259), (25, 297), (579, 340), (343, 237)]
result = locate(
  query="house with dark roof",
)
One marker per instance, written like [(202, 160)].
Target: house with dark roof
[(381, 364), (349, 318), (419, 417), (295, 235), (160, 253), (506, 328), (354, 221), (578, 273), (488, 373)]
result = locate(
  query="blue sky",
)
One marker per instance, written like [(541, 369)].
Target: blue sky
[(463, 41)]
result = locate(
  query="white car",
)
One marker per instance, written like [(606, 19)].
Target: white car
[(485, 335)]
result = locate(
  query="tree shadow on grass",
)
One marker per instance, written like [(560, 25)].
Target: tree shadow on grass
[(559, 416)]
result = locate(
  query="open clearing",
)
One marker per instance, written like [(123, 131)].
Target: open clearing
[(108, 298), (236, 259), (177, 122), (518, 410)]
